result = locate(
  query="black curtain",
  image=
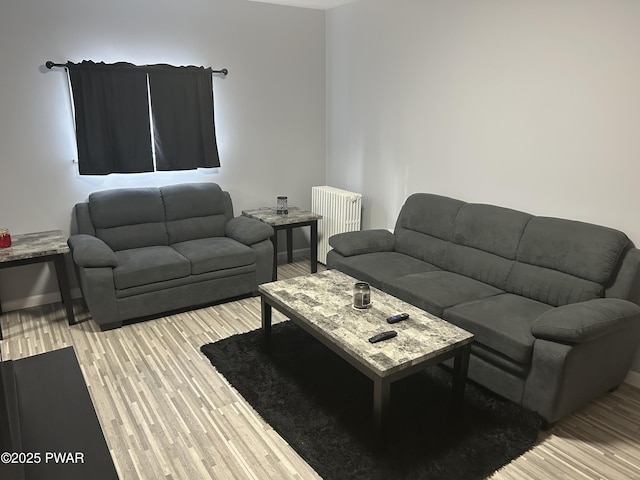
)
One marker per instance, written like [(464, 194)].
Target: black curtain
[(182, 109), (112, 118)]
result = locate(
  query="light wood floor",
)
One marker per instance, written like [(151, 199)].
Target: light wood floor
[(166, 413)]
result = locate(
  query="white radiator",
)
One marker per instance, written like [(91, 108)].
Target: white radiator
[(341, 212)]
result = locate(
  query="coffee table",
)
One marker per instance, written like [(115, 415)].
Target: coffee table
[(321, 304)]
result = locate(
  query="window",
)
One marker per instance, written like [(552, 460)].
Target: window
[(117, 105)]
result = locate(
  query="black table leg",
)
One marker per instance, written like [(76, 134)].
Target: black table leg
[(381, 396), (314, 246), (274, 241), (265, 312), (63, 283), (460, 367), (289, 243)]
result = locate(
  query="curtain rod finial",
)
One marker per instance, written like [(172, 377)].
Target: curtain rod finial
[(49, 64)]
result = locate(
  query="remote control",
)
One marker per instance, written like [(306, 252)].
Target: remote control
[(397, 318), (383, 336)]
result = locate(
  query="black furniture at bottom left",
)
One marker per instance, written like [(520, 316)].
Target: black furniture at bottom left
[(48, 426)]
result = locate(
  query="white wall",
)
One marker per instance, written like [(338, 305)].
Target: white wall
[(270, 110), (530, 105)]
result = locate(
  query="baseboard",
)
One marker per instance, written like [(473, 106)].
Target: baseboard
[(298, 253), (36, 300)]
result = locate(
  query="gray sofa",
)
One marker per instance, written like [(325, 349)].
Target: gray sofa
[(140, 252), (553, 303)]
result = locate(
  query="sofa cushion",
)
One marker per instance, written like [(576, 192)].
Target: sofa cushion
[(437, 290), (362, 241), (215, 253), (550, 286), (128, 218), (501, 323), (431, 214), (482, 266), (194, 210), (248, 230), (587, 251), (425, 225), (492, 229), (377, 267), (140, 266)]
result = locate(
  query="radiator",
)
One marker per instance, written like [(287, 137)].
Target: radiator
[(341, 212)]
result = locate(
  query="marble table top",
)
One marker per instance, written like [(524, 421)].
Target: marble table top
[(270, 216), (32, 245), (324, 302)]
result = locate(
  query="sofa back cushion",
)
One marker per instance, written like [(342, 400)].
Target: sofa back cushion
[(128, 217), (425, 226), (564, 261), (195, 210), (485, 242), (550, 260)]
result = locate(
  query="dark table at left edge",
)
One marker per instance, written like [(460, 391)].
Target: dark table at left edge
[(48, 424), (40, 247)]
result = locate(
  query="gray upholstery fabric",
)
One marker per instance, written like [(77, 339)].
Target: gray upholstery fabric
[(90, 251), (479, 265), (130, 269), (194, 210), (585, 321), (82, 219), (550, 286), (435, 291), (247, 231), (126, 206), (531, 289), (421, 246), (490, 229), (626, 283), (141, 266), (431, 214), (194, 228), (425, 226), (502, 323), (580, 249), (129, 218), (189, 200), (377, 267), (215, 253), (230, 274), (368, 241)]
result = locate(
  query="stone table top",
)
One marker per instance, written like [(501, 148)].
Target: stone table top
[(270, 216), (32, 245), (324, 301)]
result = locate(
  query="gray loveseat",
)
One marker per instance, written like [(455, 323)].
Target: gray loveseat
[(139, 252), (552, 302)]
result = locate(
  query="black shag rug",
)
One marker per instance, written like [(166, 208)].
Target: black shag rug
[(322, 407)]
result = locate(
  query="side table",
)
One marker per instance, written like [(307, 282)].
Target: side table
[(37, 248), (295, 218)]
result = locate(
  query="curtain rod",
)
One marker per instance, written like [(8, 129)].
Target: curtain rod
[(49, 64)]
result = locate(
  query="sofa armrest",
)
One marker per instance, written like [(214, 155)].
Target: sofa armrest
[(584, 321), (365, 241), (90, 251), (248, 230)]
